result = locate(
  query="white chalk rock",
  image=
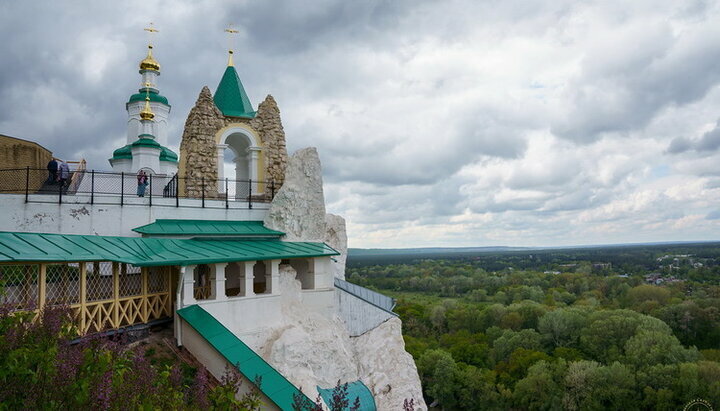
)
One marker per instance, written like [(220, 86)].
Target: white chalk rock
[(310, 349), (298, 208), (386, 368), (336, 237)]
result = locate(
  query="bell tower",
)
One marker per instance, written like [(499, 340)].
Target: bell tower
[(147, 124)]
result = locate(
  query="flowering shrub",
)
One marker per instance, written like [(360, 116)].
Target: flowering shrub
[(40, 368)]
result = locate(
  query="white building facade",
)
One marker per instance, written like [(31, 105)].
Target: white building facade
[(147, 126)]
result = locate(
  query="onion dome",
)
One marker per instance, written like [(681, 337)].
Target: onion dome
[(146, 113), (149, 63)]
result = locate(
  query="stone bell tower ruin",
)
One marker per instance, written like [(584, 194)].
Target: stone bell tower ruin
[(226, 126)]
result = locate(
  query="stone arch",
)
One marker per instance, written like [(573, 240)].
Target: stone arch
[(246, 147)]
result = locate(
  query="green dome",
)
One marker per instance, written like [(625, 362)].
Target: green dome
[(122, 152), (154, 96), (168, 155)]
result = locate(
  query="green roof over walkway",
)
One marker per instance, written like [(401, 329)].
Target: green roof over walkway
[(208, 228), (147, 252), (250, 364)]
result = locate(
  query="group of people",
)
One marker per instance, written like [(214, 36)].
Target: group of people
[(58, 172)]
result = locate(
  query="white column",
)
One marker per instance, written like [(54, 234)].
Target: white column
[(219, 283), (221, 167), (272, 277), (246, 282), (253, 155), (312, 274), (188, 275)]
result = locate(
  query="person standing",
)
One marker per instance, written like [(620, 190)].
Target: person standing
[(142, 179), (63, 173), (52, 167)]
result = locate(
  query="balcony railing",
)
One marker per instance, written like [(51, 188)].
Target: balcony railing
[(102, 187)]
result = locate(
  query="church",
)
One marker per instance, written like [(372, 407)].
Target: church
[(248, 268)]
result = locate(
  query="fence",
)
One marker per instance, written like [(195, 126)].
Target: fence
[(102, 295), (101, 187)]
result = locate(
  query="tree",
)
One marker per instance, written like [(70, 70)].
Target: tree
[(509, 341), (542, 388), (648, 348), (562, 326), (605, 337), (438, 372)]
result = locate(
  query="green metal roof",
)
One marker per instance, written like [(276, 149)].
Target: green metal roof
[(165, 154), (122, 152), (356, 389), (154, 96), (168, 155), (230, 96), (208, 227), (273, 384), (148, 252), (145, 142)]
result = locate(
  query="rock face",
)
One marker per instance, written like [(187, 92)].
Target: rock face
[(386, 368), (336, 237), (299, 206), (198, 150), (311, 349), (268, 124)]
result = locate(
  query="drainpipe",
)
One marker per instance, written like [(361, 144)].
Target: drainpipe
[(178, 305)]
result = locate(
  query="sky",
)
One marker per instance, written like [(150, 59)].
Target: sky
[(438, 123)]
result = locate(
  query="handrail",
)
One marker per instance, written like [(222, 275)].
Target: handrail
[(100, 187)]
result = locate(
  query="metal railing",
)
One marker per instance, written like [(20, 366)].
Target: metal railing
[(102, 187)]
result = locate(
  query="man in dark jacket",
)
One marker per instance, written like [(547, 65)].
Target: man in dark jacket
[(52, 167)]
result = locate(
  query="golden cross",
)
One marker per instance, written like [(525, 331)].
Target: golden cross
[(230, 31), (150, 31)]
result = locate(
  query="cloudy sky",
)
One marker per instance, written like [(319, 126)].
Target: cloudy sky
[(439, 123)]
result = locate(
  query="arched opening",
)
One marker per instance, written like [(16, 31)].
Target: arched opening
[(238, 152), (203, 282), (232, 279), (259, 281)]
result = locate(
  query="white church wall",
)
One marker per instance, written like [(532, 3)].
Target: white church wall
[(215, 362), (160, 122), (76, 216)]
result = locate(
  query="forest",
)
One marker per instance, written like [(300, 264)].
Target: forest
[(633, 327)]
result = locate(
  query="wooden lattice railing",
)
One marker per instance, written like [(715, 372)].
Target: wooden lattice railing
[(102, 295)]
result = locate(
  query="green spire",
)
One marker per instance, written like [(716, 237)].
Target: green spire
[(230, 96)]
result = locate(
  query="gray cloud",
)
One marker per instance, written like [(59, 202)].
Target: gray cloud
[(709, 141), (462, 122)]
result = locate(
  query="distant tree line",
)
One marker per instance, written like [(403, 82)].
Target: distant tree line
[(585, 339)]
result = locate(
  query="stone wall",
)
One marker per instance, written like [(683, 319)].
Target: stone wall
[(198, 152), (268, 124), (18, 153)]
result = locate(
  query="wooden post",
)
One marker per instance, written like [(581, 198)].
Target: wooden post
[(41, 287), (144, 291), (83, 297), (170, 287), (116, 295)]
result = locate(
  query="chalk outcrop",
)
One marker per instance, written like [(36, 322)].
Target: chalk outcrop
[(299, 207), (336, 237), (386, 368), (312, 349)]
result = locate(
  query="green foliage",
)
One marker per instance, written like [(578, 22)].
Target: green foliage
[(40, 368), (489, 338)]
